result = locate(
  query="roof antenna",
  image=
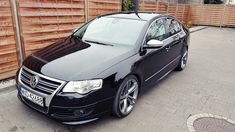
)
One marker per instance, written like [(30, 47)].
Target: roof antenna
[(136, 7)]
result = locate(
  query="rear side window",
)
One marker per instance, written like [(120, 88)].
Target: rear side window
[(172, 27), (156, 30)]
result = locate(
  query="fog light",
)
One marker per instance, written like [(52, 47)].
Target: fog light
[(82, 112)]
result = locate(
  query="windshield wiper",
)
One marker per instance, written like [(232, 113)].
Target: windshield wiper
[(95, 42)]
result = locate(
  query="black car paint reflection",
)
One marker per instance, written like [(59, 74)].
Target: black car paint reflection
[(52, 52)]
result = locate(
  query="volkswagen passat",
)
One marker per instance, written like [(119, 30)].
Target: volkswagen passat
[(103, 66)]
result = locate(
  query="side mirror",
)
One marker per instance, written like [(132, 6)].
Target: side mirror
[(153, 43)]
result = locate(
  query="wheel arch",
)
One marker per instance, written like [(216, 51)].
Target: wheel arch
[(139, 81)]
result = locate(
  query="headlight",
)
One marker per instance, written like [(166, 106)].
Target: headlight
[(83, 87)]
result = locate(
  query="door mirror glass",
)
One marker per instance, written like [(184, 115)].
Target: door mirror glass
[(153, 43)]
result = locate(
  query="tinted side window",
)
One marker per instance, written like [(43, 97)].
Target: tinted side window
[(172, 27), (156, 30)]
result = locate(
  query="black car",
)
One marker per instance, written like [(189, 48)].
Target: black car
[(103, 66)]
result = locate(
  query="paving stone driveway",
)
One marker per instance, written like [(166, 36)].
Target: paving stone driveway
[(206, 86)]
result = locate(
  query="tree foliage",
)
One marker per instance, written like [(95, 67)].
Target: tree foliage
[(127, 5)]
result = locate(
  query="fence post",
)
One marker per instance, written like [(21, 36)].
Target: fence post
[(201, 12), (156, 4), (176, 12), (17, 29), (189, 18), (222, 16), (143, 5), (183, 18), (86, 10), (120, 5), (167, 9)]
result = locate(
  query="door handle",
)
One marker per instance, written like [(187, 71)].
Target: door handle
[(168, 48), (177, 37)]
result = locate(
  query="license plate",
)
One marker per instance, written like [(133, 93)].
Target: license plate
[(32, 97)]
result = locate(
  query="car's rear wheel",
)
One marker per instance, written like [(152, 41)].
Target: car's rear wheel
[(183, 61), (126, 97)]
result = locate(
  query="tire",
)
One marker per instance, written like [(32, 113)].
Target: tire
[(183, 60), (126, 97)]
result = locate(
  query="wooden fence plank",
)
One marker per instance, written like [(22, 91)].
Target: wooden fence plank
[(8, 49), (100, 7), (180, 11), (214, 15), (44, 22)]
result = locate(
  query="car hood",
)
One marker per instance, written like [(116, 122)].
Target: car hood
[(72, 59)]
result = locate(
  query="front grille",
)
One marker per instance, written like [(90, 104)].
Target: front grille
[(44, 85)]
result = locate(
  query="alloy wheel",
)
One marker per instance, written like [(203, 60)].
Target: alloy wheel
[(128, 96), (184, 59)]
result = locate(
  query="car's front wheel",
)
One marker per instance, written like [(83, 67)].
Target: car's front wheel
[(126, 97), (183, 61)]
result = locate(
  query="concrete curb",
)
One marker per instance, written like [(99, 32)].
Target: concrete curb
[(5, 84), (197, 28), (7, 89)]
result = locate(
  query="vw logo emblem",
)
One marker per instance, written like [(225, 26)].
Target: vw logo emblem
[(34, 81)]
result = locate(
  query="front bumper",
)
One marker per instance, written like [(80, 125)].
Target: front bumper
[(71, 109)]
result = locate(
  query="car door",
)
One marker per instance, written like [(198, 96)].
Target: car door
[(174, 37), (156, 59)]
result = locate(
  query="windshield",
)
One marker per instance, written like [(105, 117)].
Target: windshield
[(113, 31)]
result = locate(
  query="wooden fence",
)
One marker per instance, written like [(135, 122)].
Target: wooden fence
[(97, 7), (8, 46), (43, 22), (214, 15), (180, 11)]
